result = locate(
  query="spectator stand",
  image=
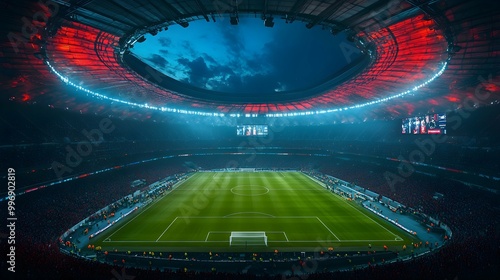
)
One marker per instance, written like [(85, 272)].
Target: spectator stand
[(79, 237), (390, 210)]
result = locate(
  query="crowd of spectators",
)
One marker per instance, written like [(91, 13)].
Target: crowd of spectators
[(470, 213), (34, 138), (253, 160)]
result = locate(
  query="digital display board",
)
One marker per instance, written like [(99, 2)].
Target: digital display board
[(251, 130), (427, 124)]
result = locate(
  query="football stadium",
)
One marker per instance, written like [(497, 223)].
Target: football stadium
[(238, 139)]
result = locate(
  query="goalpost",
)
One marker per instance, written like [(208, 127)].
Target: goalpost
[(247, 238), (247, 169)]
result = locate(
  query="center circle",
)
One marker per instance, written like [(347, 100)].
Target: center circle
[(249, 190)]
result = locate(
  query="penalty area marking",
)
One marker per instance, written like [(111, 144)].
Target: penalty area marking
[(108, 240), (264, 216), (258, 213)]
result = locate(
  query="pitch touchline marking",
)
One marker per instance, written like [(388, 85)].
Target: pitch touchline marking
[(174, 187), (169, 241), (166, 229), (314, 180), (327, 228), (271, 189), (326, 241)]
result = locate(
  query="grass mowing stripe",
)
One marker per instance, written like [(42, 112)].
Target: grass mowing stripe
[(207, 203)]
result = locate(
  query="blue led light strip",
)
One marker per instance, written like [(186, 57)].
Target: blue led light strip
[(273, 115)]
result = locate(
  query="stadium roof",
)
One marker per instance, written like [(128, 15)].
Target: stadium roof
[(421, 56)]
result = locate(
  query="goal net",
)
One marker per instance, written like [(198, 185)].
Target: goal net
[(244, 238), (245, 169)]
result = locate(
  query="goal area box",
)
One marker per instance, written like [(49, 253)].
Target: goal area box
[(244, 238)]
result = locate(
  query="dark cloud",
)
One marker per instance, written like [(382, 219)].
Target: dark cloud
[(165, 42), (296, 58), (199, 73), (223, 70), (225, 79), (234, 82), (183, 61), (197, 70), (299, 59), (188, 49), (206, 72), (210, 60), (228, 83), (232, 40), (158, 60), (258, 63)]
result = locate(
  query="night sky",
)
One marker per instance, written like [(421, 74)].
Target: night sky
[(248, 57)]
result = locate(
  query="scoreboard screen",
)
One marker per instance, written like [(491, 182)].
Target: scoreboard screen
[(252, 130), (427, 124)]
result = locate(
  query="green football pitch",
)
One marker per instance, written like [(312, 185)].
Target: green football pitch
[(293, 211)]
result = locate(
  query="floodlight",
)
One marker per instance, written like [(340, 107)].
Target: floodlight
[(234, 20)]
